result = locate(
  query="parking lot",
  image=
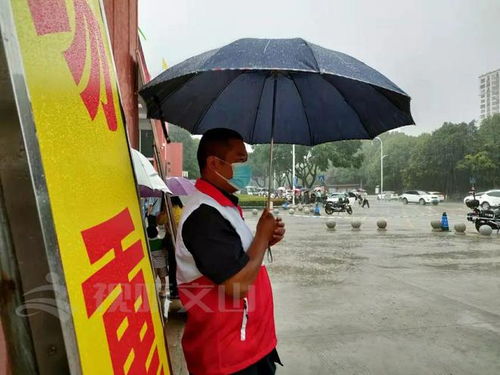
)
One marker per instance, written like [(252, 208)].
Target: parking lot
[(404, 301)]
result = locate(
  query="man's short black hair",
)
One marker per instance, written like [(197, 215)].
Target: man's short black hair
[(215, 142)]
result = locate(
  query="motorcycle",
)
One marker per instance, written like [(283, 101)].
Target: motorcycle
[(340, 206), (481, 217)]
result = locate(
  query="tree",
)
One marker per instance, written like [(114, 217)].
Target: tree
[(488, 140), (259, 160), (434, 161), (189, 146), (309, 161), (443, 160), (312, 160), (480, 166)]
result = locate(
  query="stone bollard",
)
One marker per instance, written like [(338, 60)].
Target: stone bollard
[(255, 212), (485, 230), (306, 210), (460, 228), (291, 211), (331, 224), (436, 225), (382, 225), (276, 211), (356, 225), (300, 208)]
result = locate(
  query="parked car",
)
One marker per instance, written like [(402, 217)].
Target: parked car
[(250, 190), (419, 196), (488, 199), (440, 195), (346, 197), (388, 195)]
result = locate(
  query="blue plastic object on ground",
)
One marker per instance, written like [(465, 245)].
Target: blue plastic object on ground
[(444, 222)]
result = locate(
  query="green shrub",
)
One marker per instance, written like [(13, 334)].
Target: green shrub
[(257, 201)]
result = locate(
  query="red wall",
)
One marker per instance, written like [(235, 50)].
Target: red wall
[(173, 158), (122, 21)]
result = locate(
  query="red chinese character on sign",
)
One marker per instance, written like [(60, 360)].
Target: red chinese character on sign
[(127, 321), (50, 16)]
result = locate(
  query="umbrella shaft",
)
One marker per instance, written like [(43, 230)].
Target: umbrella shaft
[(275, 82)]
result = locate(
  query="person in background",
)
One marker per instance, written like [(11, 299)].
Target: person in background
[(158, 253), (365, 202), (177, 207)]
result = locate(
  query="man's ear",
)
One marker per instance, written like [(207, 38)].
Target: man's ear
[(211, 163)]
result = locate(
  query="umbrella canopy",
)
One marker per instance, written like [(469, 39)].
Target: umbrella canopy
[(150, 183), (180, 186), (286, 90)]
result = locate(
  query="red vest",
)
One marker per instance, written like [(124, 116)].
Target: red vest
[(225, 335)]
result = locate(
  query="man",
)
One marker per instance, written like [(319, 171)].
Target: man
[(222, 283)]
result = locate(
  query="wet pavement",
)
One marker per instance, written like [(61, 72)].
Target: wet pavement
[(403, 301)]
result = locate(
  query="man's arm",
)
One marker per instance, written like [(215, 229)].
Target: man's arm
[(214, 244), (217, 250), (269, 232)]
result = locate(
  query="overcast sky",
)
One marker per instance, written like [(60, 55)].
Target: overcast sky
[(433, 49)]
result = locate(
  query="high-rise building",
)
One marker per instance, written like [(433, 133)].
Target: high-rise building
[(489, 89)]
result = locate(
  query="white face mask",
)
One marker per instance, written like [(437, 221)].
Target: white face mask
[(242, 174)]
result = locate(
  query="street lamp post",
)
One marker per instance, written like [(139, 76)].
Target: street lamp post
[(381, 165)]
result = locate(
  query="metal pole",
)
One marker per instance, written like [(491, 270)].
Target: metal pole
[(269, 203), (381, 168), (381, 165), (293, 174), (172, 277)]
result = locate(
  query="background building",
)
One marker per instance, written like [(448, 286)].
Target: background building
[(489, 89)]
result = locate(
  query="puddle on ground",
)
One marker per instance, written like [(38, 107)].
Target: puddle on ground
[(466, 266), (454, 254)]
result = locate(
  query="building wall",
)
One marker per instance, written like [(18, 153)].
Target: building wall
[(489, 89), (174, 159), (122, 21)]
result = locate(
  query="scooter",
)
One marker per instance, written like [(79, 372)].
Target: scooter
[(340, 206), (480, 217)]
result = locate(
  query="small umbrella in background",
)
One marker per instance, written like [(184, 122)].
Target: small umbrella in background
[(180, 186), (150, 183)]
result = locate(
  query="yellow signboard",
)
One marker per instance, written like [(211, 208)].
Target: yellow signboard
[(73, 90)]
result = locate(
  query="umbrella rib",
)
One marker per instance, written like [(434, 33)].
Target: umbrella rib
[(258, 107), (205, 111), (162, 100), (351, 106), (314, 56), (305, 112)]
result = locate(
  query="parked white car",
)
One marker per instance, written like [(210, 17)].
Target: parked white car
[(419, 196), (439, 194), (388, 195), (488, 199)]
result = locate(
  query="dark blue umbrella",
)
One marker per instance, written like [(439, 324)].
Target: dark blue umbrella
[(278, 91)]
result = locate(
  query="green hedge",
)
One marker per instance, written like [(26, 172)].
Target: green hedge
[(257, 201)]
